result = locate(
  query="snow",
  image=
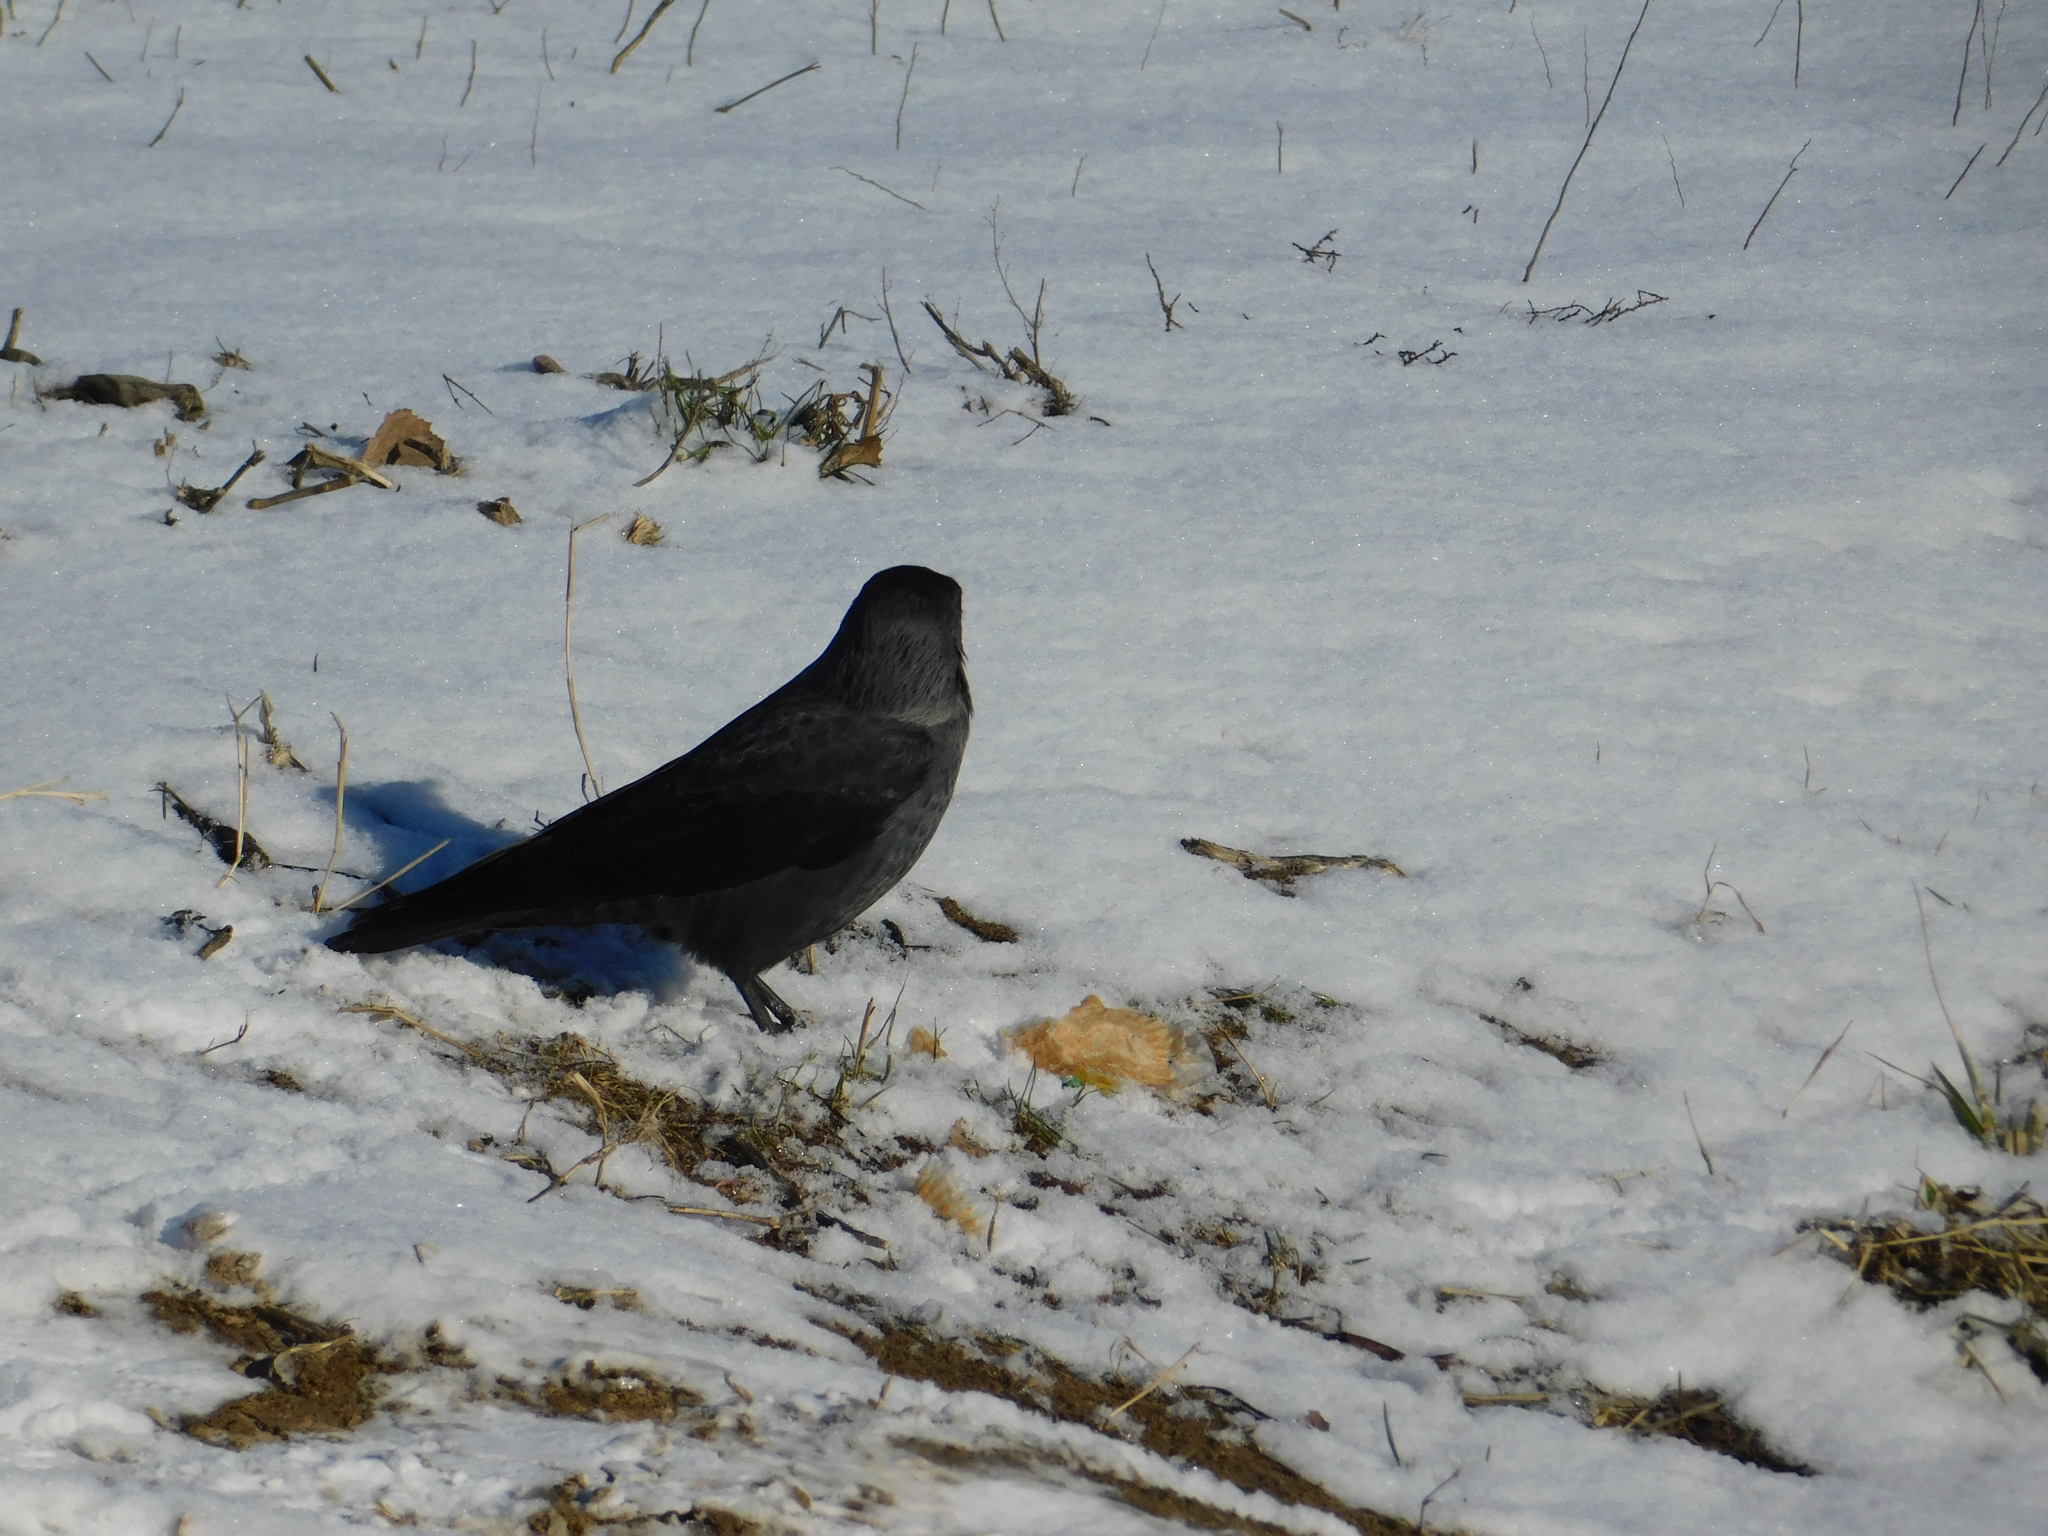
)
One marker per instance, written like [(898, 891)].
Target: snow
[(1555, 625)]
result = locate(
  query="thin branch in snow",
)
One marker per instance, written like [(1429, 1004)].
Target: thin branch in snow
[(1790, 172), (1591, 129)]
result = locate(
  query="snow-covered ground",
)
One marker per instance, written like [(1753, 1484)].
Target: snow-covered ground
[(1749, 579)]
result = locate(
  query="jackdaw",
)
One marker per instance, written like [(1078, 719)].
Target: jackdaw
[(777, 830)]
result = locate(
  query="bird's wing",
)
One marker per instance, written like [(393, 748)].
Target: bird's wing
[(789, 784)]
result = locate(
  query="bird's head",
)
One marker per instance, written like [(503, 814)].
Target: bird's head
[(899, 649)]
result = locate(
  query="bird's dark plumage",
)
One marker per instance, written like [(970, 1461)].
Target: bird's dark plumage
[(774, 832)]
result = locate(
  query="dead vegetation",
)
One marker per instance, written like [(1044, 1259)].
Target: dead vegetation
[(1577, 1057), (773, 1159), (407, 438), (206, 498), (1684, 1413), (47, 790), (13, 353), (1281, 870), (1185, 1424), (236, 845), (1612, 310), (1962, 1245), (1017, 364), (127, 391), (343, 471), (1322, 254), (704, 415)]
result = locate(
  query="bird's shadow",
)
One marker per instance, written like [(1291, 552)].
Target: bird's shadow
[(403, 819)]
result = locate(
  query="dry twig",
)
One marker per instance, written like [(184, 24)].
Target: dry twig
[(1280, 871)]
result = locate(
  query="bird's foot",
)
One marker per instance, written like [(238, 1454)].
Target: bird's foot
[(770, 1012)]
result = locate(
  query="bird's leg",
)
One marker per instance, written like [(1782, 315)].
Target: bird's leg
[(771, 1013)]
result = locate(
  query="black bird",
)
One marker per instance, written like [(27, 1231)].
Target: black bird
[(777, 830)]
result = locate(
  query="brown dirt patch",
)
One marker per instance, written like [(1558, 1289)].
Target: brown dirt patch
[(1170, 1424), (321, 1378), (609, 1394)]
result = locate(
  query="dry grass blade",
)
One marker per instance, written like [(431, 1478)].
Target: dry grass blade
[(43, 791), (1281, 870), (340, 792), (1948, 1017), (1686, 1413), (402, 870), (1824, 1055), (1154, 1384), (568, 655), (1997, 1250), (385, 1013), (241, 786)]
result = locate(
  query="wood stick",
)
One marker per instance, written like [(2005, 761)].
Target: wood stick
[(767, 88), (992, 16), (1591, 129), (472, 80), (314, 65), (95, 63), (265, 503)]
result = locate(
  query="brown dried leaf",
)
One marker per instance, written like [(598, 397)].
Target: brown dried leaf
[(407, 438), (1102, 1046), (643, 530), (924, 1043), (546, 364), (935, 1187), (961, 1141), (501, 511), (866, 450)]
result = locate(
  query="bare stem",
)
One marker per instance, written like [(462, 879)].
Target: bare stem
[(340, 792), (1591, 129), (568, 653)]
